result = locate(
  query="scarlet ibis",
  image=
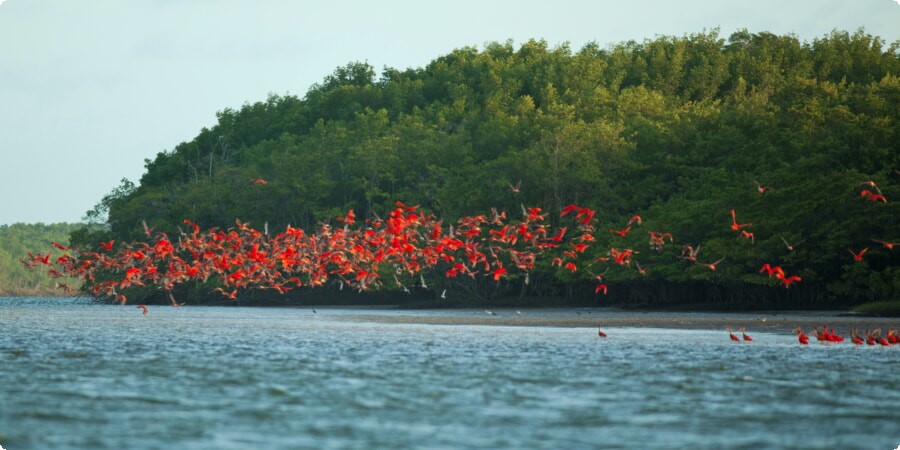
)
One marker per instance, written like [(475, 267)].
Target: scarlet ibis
[(731, 335), (711, 266), (737, 226), (858, 256), (786, 281), (690, 253), (801, 336), (790, 247), (887, 245)]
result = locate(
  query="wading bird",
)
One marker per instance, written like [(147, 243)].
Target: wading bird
[(830, 335), (731, 335), (173, 302), (854, 337), (892, 336), (802, 337)]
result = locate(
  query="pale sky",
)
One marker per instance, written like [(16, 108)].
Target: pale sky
[(89, 89)]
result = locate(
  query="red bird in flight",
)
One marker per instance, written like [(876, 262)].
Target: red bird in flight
[(711, 266), (858, 257), (887, 245), (737, 226)]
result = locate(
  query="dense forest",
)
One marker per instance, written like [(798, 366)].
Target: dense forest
[(679, 130), (15, 242)]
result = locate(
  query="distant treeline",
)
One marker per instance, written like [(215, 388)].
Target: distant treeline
[(15, 242), (679, 130)]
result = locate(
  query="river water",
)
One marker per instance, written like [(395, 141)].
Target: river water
[(76, 375)]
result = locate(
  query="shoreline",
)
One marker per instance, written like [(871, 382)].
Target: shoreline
[(768, 321), (774, 321)]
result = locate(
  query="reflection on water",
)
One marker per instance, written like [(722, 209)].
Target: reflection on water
[(76, 375)]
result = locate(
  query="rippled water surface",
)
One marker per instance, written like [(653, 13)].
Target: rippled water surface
[(74, 375)]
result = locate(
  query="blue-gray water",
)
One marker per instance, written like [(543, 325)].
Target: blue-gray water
[(74, 375)]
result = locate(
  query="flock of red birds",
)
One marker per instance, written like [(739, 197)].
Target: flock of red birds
[(357, 257), (777, 271), (873, 337), (362, 257), (828, 335)]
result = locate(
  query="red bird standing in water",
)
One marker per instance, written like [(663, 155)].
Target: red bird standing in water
[(854, 336), (145, 308), (802, 337), (731, 335)]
